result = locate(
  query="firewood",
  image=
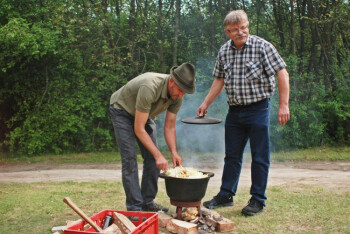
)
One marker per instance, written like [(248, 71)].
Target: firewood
[(181, 227), (113, 229), (163, 219), (123, 223), (225, 225)]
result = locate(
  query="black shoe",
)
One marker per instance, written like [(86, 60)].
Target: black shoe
[(154, 207), (254, 207), (218, 201), (134, 218)]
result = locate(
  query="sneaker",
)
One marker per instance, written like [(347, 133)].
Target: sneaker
[(218, 201), (154, 207), (254, 207)]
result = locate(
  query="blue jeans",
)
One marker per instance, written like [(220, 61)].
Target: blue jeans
[(136, 196), (243, 123)]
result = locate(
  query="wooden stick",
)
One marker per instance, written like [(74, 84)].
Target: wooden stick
[(69, 202)]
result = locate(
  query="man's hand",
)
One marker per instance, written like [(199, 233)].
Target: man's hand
[(283, 114), (202, 110), (162, 163), (214, 92), (177, 160)]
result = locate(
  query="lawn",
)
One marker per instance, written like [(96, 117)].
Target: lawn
[(37, 207)]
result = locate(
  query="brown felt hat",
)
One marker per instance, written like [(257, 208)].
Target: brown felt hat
[(184, 76)]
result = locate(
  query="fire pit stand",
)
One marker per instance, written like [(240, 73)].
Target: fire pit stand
[(179, 206)]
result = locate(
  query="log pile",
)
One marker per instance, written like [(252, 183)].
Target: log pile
[(209, 222)]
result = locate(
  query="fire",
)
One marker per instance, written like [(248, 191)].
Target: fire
[(190, 213)]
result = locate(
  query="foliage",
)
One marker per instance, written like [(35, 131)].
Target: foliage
[(61, 60)]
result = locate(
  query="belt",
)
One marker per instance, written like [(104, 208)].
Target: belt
[(240, 107)]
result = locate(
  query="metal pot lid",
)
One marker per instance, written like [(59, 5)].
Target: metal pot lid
[(201, 120)]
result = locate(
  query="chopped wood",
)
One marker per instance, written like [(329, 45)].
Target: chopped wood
[(163, 219), (58, 229), (225, 225), (210, 222), (112, 229), (124, 224), (181, 227)]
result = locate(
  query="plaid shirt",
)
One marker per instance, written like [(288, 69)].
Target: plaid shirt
[(249, 72)]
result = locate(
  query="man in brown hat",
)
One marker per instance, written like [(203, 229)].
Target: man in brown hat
[(131, 109)]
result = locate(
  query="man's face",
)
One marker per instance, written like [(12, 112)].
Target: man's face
[(174, 91), (238, 32)]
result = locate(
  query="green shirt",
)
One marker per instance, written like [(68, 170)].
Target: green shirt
[(147, 93)]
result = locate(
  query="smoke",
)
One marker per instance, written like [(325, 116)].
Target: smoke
[(201, 142)]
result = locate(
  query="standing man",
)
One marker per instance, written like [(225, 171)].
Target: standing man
[(245, 66), (131, 109)]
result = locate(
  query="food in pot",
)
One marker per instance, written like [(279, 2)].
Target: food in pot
[(185, 172)]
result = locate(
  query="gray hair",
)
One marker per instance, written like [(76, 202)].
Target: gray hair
[(235, 16)]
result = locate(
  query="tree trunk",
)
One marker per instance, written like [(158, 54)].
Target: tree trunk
[(177, 30), (160, 52), (212, 27), (301, 12), (132, 22), (292, 29), (279, 21)]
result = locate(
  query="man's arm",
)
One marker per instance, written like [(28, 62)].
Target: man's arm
[(283, 88), (170, 137), (140, 131), (214, 92)]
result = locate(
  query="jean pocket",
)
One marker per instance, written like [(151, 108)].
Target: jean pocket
[(253, 70)]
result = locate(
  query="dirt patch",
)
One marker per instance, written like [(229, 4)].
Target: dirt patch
[(332, 175)]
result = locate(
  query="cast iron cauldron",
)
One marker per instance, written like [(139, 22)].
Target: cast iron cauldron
[(186, 189)]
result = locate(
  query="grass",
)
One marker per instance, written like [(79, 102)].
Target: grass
[(37, 207), (99, 157), (313, 154)]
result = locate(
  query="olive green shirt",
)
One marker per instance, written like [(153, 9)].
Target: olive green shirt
[(147, 93)]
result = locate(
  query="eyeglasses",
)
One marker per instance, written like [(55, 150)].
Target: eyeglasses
[(236, 30)]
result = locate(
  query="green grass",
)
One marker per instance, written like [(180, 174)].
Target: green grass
[(37, 207), (313, 154), (64, 158)]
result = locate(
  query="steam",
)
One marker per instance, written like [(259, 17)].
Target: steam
[(198, 142)]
